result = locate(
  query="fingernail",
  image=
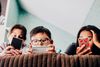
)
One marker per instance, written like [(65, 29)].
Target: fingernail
[(83, 45), (88, 47)]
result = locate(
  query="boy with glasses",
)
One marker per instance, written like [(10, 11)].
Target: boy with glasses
[(41, 37)]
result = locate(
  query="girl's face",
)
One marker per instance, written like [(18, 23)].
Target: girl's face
[(16, 33), (85, 37)]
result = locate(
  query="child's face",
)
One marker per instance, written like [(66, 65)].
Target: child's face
[(16, 33), (85, 37), (40, 39)]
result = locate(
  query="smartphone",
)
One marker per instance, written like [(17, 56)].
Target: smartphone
[(39, 49), (16, 43)]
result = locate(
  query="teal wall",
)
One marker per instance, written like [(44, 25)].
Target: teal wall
[(13, 13)]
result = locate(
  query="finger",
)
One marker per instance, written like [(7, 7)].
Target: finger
[(86, 51), (51, 50), (7, 52), (51, 46), (14, 52), (10, 37), (19, 51), (79, 49), (89, 53), (94, 34), (30, 50), (9, 55), (92, 31), (9, 47)]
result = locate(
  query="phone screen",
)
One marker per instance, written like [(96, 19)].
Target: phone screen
[(39, 49), (16, 43)]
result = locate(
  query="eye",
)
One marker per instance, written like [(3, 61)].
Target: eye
[(44, 40), (80, 40), (89, 38), (34, 40), (14, 35), (20, 37)]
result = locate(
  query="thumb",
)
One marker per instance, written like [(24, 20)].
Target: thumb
[(9, 47)]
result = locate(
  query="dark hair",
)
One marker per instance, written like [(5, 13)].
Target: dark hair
[(40, 29), (21, 27), (89, 28)]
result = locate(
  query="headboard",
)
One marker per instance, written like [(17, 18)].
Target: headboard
[(50, 60)]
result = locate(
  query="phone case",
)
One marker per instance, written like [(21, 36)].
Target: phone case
[(16, 43)]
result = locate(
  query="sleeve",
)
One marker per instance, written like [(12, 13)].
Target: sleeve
[(71, 50), (95, 50)]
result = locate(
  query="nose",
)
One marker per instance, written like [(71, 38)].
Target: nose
[(40, 43)]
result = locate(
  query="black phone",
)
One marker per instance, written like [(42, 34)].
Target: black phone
[(16, 43)]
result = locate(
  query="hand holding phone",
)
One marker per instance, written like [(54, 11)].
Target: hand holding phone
[(84, 47)]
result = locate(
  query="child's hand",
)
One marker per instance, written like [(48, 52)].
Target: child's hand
[(83, 51), (51, 48)]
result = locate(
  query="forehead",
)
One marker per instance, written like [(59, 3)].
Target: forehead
[(85, 33), (17, 31), (39, 36)]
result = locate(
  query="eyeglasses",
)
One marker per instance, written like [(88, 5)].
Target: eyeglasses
[(89, 38), (44, 41)]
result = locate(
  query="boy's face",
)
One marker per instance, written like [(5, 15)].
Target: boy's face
[(40, 39)]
